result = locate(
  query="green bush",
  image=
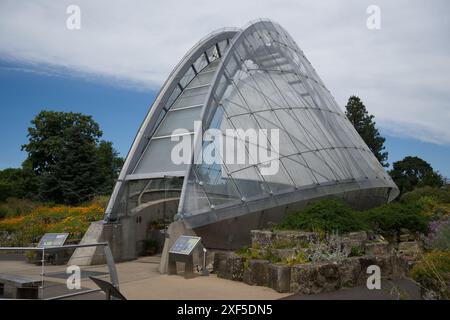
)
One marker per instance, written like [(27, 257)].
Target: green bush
[(14, 207), (439, 194), (395, 216), (325, 215)]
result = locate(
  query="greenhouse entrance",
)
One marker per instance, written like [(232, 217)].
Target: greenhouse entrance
[(151, 206)]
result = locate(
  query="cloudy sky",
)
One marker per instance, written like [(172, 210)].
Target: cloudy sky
[(402, 71)]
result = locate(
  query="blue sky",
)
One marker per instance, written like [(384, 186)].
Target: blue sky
[(119, 111), (113, 65)]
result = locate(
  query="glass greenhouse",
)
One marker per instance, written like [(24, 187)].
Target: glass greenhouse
[(251, 78)]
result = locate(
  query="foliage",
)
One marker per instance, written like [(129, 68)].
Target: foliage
[(414, 172), (395, 216), (16, 207), (441, 195), (326, 215), (332, 249), (70, 162), (439, 235), (356, 252), (18, 183), (30, 228), (433, 273), (298, 258), (257, 254), (357, 114)]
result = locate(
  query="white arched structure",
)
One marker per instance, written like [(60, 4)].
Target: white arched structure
[(254, 78)]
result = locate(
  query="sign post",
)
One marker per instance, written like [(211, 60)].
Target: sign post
[(181, 251)]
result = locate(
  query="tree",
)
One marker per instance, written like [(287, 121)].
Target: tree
[(18, 183), (414, 172), (110, 164), (357, 114), (67, 156)]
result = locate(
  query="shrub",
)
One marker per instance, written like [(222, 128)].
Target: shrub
[(439, 194), (100, 201), (395, 216), (325, 215), (16, 207), (439, 235), (433, 273)]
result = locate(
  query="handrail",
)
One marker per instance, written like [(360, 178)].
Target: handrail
[(87, 245)]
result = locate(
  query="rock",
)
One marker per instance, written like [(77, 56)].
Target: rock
[(279, 277), (261, 238), (235, 268), (359, 236), (349, 271), (229, 266), (220, 264), (315, 278), (406, 235), (376, 248), (257, 273), (297, 238), (410, 248)]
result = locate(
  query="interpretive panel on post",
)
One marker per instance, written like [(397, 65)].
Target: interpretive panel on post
[(185, 245), (53, 240)]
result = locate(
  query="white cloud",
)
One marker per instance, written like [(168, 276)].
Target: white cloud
[(402, 72)]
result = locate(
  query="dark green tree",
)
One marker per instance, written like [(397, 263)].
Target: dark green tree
[(18, 183), (364, 124), (67, 156), (414, 172), (109, 164)]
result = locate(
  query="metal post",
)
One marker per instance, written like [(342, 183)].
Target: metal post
[(42, 272), (205, 271)]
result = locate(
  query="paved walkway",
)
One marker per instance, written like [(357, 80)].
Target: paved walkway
[(141, 280)]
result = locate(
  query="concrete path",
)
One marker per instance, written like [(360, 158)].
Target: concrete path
[(141, 280)]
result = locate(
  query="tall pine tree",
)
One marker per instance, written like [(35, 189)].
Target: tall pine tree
[(364, 124)]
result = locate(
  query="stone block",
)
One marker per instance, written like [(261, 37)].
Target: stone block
[(315, 278), (235, 268), (261, 238), (297, 238), (376, 248), (228, 266), (358, 236), (349, 271), (220, 264), (279, 277), (257, 273), (410, 248)]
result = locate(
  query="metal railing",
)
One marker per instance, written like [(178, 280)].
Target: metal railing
[(50, 266)]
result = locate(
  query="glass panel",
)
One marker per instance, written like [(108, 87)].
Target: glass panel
[(200, 63), (189, 75), (179, 119), (157, 157), (202, 79), (250, 184)]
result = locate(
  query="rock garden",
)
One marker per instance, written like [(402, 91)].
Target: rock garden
[(328, 246)]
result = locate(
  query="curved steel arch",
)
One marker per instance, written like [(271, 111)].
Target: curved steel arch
[(150, 122)]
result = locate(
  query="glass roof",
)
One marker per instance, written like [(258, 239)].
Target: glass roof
[(266, 82)]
